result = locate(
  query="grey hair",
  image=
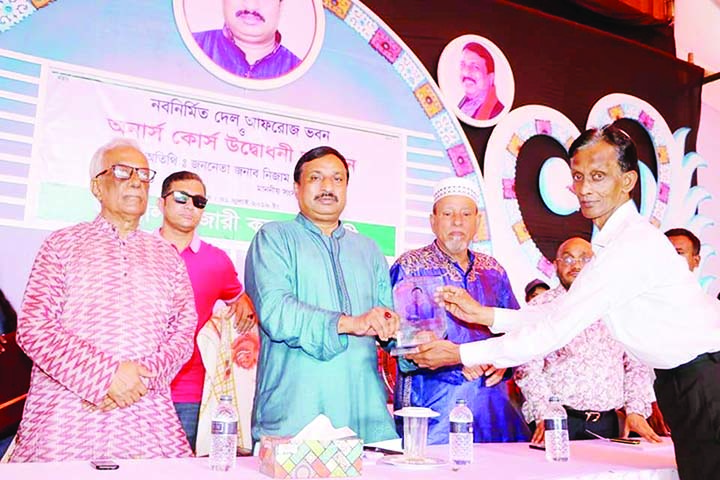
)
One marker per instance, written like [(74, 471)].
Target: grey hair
[(96, 164)]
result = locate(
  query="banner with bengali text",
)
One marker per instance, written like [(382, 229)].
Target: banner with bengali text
[(245, 154)]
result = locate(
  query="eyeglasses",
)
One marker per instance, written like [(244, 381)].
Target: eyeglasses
[(570, 261), (124, 172), (182, 198)]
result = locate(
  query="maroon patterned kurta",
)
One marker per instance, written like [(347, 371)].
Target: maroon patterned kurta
[(94, 299)]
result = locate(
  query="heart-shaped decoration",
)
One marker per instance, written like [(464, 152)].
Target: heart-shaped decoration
[(556, 187), (527, 152)]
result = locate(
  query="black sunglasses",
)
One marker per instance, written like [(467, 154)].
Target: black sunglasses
[(182, 197)]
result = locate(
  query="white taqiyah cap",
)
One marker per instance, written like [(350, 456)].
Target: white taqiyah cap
[(456, 186)]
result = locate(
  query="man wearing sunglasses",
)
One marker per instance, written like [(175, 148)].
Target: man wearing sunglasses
[(213, 277), (592, 374), (108, 318)]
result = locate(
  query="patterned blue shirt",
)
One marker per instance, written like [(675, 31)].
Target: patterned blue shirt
[(496, 419)]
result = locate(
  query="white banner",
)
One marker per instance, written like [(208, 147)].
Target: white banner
[(245, 154)]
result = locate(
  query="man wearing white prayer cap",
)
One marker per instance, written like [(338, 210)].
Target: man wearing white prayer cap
[(455, 220), (457, 186)]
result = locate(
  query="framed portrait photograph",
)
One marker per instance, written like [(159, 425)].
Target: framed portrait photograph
[(476, 80), (422, 319), (254, 45)]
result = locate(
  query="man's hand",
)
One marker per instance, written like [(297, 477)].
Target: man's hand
[(377, 321), (474, 372), (243, 311), (107, 404), (657, 421), (538, 437), (460, 304), (127, 384), (635, 422), (495, 375), (439, 353)]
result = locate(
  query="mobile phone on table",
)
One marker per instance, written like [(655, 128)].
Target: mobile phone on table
[(104, 465), (628, 441), (386, 451)]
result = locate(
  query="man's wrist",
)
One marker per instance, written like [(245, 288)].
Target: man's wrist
[(344, 324), (642, 409), (489, 316), (483, 315), (541, 410)]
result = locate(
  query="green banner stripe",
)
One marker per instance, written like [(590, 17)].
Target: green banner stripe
[(219, 221)]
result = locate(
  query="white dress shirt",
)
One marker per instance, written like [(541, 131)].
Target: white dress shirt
[(640, 287)]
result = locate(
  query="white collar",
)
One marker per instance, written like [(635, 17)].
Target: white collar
[(615, 224)]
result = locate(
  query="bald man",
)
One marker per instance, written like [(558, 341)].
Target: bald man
[(592, 375), (686, 244)]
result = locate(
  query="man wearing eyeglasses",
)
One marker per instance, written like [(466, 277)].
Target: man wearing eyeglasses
[(108, 318), (592, 374), (212, 274)]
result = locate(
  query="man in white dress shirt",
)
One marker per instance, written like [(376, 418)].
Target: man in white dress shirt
[(638, 285)]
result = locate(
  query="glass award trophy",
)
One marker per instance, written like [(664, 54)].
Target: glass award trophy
[(422, 320)]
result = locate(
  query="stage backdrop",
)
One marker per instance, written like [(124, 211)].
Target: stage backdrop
[(74, 74)]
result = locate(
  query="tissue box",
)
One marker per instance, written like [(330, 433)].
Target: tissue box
[(282, 457)]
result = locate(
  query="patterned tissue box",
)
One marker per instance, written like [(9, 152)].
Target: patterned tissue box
[(281, 457)]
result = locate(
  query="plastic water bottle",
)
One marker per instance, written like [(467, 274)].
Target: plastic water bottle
[(223, 438), (557, 440), (461, 434)]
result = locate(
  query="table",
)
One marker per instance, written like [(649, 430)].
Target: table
[(590, 460)]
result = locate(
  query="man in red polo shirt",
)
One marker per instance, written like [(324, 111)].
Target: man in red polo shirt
[(213, 278)]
